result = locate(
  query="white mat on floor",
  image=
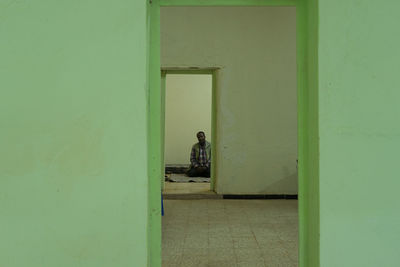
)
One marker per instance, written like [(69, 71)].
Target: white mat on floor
[(182, 178)]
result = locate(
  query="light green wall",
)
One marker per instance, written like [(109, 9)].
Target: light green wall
[(256, 99), (359, 133), (73, 133), (187, 111)]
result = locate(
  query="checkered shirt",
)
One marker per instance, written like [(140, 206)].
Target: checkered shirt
[(202, 158)]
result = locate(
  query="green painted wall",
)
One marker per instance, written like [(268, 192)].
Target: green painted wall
[(359, 133), (156, 132), (73, 133), (307, 49), (256, 93)]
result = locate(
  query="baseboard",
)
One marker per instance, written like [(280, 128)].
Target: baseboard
[(280, 196)]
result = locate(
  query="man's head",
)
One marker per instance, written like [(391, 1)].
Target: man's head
[(201, 137)]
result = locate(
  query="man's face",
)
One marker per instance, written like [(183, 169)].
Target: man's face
[(202, 138)]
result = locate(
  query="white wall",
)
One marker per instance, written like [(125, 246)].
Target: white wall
[(187, 111), (255, 47)]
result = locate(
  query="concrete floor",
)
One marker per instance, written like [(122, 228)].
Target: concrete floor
[(188, 191), (186, 188), (220, 232)]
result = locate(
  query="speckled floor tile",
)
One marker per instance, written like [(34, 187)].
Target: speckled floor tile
[(218, 232)]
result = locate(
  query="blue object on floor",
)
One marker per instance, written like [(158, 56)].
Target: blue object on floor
[(162, 206)]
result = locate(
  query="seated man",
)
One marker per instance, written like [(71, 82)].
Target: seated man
[(200, 157)]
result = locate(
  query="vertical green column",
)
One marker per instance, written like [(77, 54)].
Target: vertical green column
[(301, 46), (155, 138), (214, 166), (307, 56), (163, 87)]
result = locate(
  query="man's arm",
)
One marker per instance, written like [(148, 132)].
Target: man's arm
[(193, 160), (208, 161)]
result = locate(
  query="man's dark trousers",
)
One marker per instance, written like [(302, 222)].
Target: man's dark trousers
[(198, 172)]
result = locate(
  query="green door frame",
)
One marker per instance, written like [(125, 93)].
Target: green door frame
[(192, 70), (306, 11)]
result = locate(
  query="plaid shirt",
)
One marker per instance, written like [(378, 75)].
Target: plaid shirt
[(202, 158)]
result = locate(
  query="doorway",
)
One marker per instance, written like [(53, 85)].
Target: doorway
[(188, 108), (308, 203), (257, 130)]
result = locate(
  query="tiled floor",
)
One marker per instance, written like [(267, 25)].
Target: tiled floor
[(220, 232)]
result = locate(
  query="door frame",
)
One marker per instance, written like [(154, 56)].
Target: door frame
[(308, 147), (213, 71)]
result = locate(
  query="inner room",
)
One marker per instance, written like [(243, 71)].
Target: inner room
[(188, 113), (250, 215)]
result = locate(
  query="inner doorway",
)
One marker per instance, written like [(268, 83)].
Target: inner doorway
[(187, 99)]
